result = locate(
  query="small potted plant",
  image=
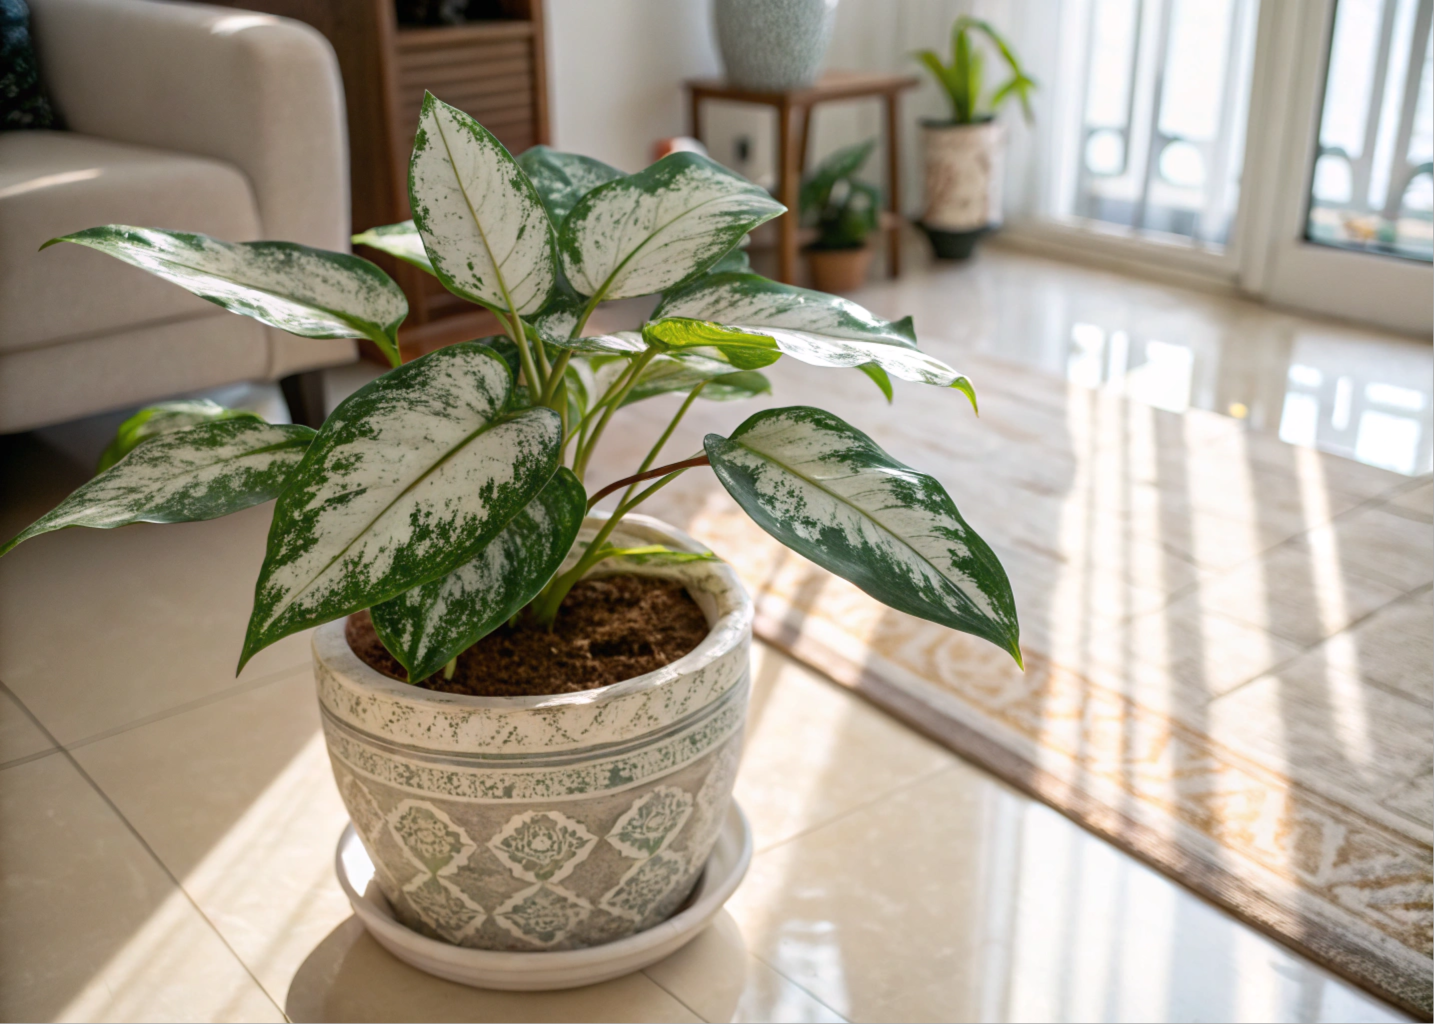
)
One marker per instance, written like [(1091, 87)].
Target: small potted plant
[(844, 212), (531, 759), (965, 154)]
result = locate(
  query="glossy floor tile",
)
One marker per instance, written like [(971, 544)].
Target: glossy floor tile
[(91, 927)]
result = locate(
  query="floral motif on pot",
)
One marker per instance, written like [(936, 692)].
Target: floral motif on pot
[(650, 822), (542, 846)]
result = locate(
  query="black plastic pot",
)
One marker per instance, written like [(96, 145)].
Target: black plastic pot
[(953, 245)]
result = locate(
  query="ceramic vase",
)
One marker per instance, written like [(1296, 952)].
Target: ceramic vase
[(546, 822), (773, 45), (964, 165)]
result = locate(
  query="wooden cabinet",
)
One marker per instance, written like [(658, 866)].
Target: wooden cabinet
[(494, 70)]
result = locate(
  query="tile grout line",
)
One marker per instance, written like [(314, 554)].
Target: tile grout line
[(900, 787), (144, 844), (680, 1001), (800, 987), (259, 682)]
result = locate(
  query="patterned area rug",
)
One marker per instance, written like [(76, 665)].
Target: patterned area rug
[(1227, 639)]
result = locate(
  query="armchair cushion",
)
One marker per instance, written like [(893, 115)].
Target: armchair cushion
[(53, 183)]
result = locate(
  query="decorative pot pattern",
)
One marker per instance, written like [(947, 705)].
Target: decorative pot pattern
[(771, 45), (964, 165), (552, 822)]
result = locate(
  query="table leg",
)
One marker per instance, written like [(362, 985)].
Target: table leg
[(694, 117), (893, 182), (804, 147), (787, 184)]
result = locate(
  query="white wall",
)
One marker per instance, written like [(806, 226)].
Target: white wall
[(617, 66), (616, 69)]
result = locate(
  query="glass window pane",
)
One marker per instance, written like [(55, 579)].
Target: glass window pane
[(1166, 86), (1371, 188)]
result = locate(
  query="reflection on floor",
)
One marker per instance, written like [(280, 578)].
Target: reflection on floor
[(1355, 392), (168, 830)]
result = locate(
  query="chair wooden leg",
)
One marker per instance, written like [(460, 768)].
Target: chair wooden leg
[(304, 394)]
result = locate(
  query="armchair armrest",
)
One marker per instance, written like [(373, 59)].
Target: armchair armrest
[(260, 92)]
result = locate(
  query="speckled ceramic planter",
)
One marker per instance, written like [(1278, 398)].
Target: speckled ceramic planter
[(964, 164), (532, 823), (771, 45)]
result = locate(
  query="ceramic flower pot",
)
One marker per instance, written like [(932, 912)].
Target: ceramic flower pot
[(771, 45), (964, 165), (550, 822), (839, 270)]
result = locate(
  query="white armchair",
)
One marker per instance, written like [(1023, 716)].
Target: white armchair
[(181, 116)]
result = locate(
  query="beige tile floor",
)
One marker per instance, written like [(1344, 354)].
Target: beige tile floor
[(166, 831)]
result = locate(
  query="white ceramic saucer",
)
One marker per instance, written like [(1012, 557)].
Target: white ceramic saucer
[(530, 972)]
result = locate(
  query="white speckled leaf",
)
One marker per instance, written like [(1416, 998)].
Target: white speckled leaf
[(483, 226), (827, 491), (620, 343), (427, 626), (408, 479), (563, 178), (400, 240), (810, 326), (165, 418), (200, 472), (313, 293), (654, 229)]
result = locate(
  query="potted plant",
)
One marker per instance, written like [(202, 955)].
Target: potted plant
[(844, 212), (964, 155), (518, 783)]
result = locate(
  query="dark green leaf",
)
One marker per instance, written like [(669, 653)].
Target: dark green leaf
[(828, 492)]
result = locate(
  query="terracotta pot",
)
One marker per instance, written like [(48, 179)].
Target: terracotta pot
[(964, 165), (552, 822), (839, 270)]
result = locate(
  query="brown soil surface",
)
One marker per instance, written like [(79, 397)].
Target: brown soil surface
[(608, 629)]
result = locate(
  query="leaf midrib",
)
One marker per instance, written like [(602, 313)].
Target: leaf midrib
[(607, 283), (347, 320), (838, 498), (473, 213), (463, 443)]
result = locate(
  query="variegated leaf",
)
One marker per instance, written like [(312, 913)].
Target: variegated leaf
[(429, 625), (649, 231), (165, 418), (682, 372), (408, 479), (656, 554), (810, 326), (827, 491), (313, 293), (619, 343), (401, 240), (200, 472), (563, 178), (483, 226)]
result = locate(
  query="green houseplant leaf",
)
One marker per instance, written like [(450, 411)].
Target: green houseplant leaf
[(200, 472), (827, 491), (400, 240), (408, 479), (165, 418), (563, 178), (665, 374), (309, 292), (483, 225), (648, 231), (813, 327), (426, 627)]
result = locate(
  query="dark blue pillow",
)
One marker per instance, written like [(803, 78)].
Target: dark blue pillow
[(23, 100)]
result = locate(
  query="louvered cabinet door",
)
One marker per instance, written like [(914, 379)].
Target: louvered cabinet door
[(487, 71)]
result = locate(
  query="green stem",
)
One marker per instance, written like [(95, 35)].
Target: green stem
[(666, 435), (586, 451), (525, 357), (545, 605), (555, 376)]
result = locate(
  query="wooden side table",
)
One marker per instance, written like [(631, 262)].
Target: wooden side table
[(792, 148)]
